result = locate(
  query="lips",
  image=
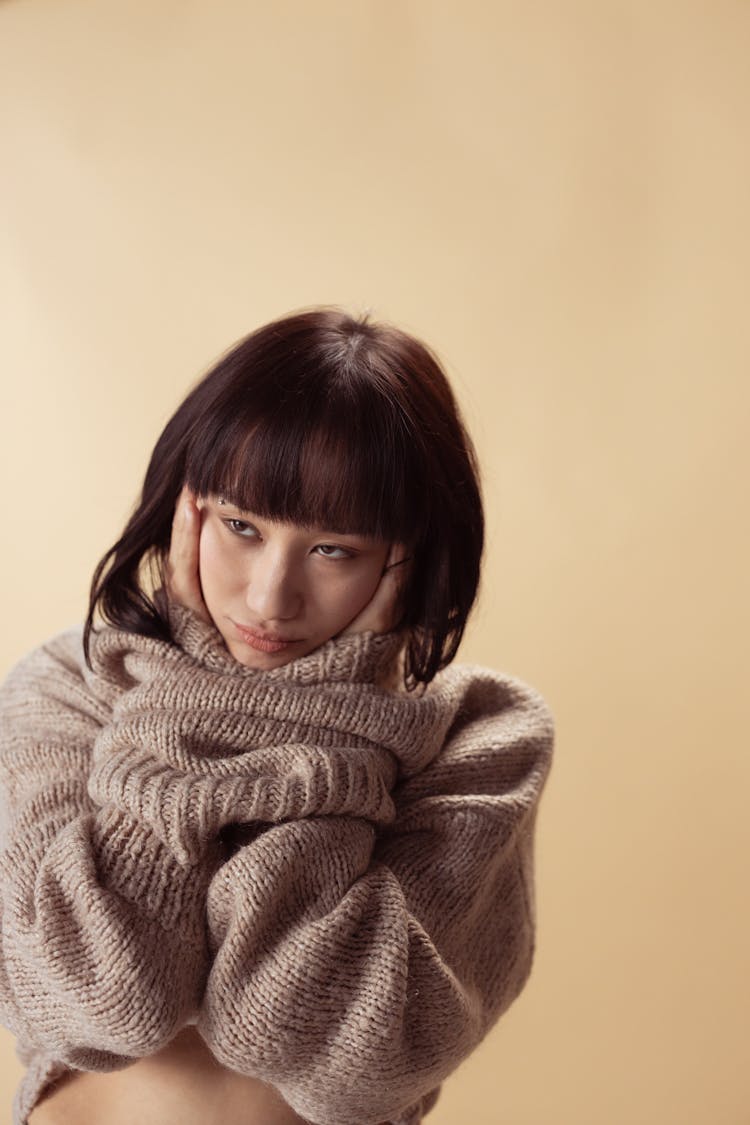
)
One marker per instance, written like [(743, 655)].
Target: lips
[(263, 642)]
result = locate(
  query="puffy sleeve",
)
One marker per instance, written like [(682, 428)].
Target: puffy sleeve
[(356, 964), (104, 946)]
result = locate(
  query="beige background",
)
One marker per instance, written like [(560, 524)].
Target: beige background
[(555, 196)]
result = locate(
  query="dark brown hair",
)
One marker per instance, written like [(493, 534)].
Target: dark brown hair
[(321, 419)]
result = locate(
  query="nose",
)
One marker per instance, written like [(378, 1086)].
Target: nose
[(274, 588)]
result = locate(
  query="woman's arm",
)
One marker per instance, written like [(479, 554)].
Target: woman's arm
[(103, 934), (354, 968)]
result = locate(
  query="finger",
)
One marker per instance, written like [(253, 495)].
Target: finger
[(398, 565), (383, 612), (183, 581), (181, 551), (382, 609), (398, 569), (396, 558)]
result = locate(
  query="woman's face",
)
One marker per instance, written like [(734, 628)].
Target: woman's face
[(277, 591)]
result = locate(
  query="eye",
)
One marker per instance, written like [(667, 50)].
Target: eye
[(241, 528), (327, 551)]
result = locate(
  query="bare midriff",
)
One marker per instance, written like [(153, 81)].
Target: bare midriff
[(183, 1083)]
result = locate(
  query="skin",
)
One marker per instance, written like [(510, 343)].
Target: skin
[(181, 1083), (306, 584)]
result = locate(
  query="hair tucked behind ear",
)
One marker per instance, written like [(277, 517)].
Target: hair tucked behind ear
[(319, 418)]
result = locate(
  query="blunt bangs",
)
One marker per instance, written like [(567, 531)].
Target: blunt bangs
[(327, 459)]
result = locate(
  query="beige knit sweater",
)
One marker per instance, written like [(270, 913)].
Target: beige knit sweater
[(350, 945)]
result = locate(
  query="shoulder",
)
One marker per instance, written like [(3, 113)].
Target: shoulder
[(498, 716), (494, 759), (486, 692), (61, 653), (52, 675)]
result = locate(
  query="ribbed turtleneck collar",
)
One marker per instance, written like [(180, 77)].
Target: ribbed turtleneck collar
[(364, 657)]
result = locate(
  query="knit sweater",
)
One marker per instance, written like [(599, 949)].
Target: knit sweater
[(332, 876)]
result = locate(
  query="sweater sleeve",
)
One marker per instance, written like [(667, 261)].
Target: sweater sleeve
[(355, 966), (103, 925)]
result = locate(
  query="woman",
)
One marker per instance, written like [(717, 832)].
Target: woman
[(260, 799)]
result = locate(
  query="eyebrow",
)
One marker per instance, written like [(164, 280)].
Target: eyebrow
[(308, 527)]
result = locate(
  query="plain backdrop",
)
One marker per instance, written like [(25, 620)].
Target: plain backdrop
[(555, 197)]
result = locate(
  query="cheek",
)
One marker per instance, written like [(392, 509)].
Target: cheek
[(350, 594)]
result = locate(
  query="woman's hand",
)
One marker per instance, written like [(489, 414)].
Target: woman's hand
[(384, 610), (182, 578)]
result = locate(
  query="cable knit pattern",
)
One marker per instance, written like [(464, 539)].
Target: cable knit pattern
[(336, 876)]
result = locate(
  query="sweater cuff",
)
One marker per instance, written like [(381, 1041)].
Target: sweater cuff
[(134, 863)]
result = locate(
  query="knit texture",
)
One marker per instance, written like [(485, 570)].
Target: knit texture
[(333, 877)]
